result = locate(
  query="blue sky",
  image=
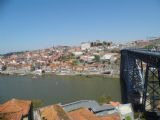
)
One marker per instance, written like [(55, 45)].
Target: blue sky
[(34, 24)]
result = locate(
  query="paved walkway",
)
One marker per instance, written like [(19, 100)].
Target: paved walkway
[(90, 104)]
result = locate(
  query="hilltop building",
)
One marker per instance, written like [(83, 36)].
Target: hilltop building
[(85, 45)]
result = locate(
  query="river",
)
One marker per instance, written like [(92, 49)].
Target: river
[(53, 89)]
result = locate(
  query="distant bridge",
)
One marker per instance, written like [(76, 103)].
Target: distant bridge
[(140, 79)]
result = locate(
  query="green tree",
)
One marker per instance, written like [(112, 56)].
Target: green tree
[(150, 46), (32, 67), (71, 56), (104, 99), (74, 62), (37, 103), (64, 57), (108, 99), (104, 43), (97, 58), (128, 118)]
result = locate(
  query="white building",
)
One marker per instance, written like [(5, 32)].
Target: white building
[(106, 57), (85, 46), (38, 72), (109, 57), (77, 54), (87, 58), (0, 67)]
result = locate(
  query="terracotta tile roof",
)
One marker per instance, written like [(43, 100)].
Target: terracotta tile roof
[(82, 114), (11, 116), (85, 114), (53, 112), (14, 109)]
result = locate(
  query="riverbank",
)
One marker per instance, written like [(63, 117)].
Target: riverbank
[(81, 76), (68, 77), (113, 74), (86, 77)]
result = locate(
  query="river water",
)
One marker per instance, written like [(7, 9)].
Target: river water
[(53, 89)]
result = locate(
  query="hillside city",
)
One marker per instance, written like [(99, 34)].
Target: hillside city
[(90, 58)]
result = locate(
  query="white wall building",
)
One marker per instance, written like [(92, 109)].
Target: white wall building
[(85, 46), (77, 54), (0, 67), (106, 57), (87, 58), (109, 57)]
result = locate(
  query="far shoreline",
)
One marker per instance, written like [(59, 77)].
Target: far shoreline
[(69, 75)]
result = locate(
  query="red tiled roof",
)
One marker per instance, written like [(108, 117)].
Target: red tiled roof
[(11, 116), (82, 114), (85, 114), (53, 112), (14, 109)]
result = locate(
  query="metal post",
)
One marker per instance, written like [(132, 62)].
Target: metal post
[(145, 87)]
